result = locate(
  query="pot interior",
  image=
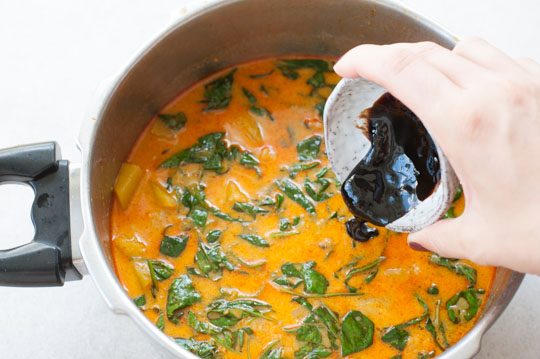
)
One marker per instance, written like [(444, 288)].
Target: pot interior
[(225, 34)]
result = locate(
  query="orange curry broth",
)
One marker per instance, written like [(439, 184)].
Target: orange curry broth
[(388, 300)]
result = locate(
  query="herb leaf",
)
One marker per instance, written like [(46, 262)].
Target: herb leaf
[(162, 270), (293, 192), (223, 313), (249, 209), (355, 271), (218, 93), (356, 333), (396, 337), (213, 235), (460, 269), (254, 239), (211, 259), (140, 301), (203, 349), (296, 273), (173, 246), (174, 121), (308, 149), (297, 167), (463, 306), (181, 294)]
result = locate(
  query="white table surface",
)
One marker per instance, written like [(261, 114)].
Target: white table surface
[(53, 55)]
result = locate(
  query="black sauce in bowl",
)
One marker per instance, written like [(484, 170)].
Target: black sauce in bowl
[(400, 169)]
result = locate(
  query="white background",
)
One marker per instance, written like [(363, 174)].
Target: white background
[(54, 54)]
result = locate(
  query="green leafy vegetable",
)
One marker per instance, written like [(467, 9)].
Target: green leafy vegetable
[(173, 246), (460, 269), (449, 213), (459, 193), (162, 270), (289, 67), (463, 306), (433, 290), (255, 240), (251, 98), (140, 301), (294, 274), (320, 107), (202, 327), (213, 235), (193, 197), (210, 259), (356, 333), (309, 148), (271, 352), (224, 313), (355, 271), (249, 209), (199, 217), (181, 294), (396, 337), (431, 329), (203, 349), (161, 321), (218, 93), (174, 121), (431, 354), (298, 167), (250, 161), (279, 200), (261, 76), (317, 194), (293, 192)]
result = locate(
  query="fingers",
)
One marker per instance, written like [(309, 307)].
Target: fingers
[(529, 65), (484, 54), (446, 238)]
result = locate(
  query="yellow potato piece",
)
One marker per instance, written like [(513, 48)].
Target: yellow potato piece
[(162, 197), (244, 130), (127, 182), (130, 246), (143, 273), (160, 129), (234, 193)]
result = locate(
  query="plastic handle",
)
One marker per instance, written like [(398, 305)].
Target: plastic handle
[(46, 261)]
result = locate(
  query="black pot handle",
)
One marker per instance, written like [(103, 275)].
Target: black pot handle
[(46, 261)]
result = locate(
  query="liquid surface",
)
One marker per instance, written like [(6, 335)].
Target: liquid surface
[(230, 233), (400, 169)]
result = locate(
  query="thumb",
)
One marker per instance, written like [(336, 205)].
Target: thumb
[(446, 237)]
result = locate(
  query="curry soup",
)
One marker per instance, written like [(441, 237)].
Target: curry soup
[(228, 231)]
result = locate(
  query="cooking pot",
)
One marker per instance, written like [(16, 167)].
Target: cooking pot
[(72, 202)]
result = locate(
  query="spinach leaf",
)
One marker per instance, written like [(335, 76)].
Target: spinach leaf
[(251, 98), (433, 290), (210, 259), (312, 351), (202, 327), (297, 167), (261, 76), (320, 108), (213, 235), (181, 294), (194, 196), (254, 239), (250, 161), (296, 273), (397, 356), (309, 148), (396, 337), (218, 93), (355, 271), (209, 151), (458, 194), (202, 349), (318, 195), (271, 352), (174, 121), (356, 333), (199, 217), (161, 321), (162, 270), (173, 246), (449, 213), (289, 68), (330, 321), (431, 354), (463, 306), (267, 201), (224, 313), (460, 269), (284, 224), (279, 200), (140, 301), (293, 192), (254, 264), (261, 111), (431, 329), (249, 209)]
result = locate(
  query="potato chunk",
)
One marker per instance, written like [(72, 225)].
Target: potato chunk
[(127, 182), (130, 246), (162, 197)]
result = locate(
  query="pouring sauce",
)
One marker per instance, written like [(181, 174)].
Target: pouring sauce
[(400, 169)]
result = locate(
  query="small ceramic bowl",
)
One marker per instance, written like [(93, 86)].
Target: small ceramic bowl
[(347, 144)]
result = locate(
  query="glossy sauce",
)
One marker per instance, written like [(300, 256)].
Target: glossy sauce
[(400, 169), (137, 231)]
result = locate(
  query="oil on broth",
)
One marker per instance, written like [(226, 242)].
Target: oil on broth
[(228, 227)]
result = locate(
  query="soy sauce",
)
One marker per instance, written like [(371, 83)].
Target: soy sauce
[(400, 169)]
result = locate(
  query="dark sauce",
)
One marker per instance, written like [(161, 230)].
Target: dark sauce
[(400, 170)]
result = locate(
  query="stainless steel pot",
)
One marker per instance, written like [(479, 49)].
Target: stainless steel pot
[(209, 36)]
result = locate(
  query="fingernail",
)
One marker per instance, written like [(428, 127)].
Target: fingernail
[(417, 247)]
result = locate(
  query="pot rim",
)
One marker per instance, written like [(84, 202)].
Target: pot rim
[(98, 267)]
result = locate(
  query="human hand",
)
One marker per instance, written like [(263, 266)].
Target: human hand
[(483, 108)]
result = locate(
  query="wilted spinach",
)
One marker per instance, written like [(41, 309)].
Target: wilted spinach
[(356, 332), (210, 259), (457, 311), (202, 349), (459, 268), (173, 246), (218, 93), (294, 274), (293, 192), (224, 313), (355, 271), (309, 148), (249, 209), (254, 239), (174, 121), (181, 294)]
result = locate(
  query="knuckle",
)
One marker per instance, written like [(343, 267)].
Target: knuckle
[(465, 45), (404, 58)]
